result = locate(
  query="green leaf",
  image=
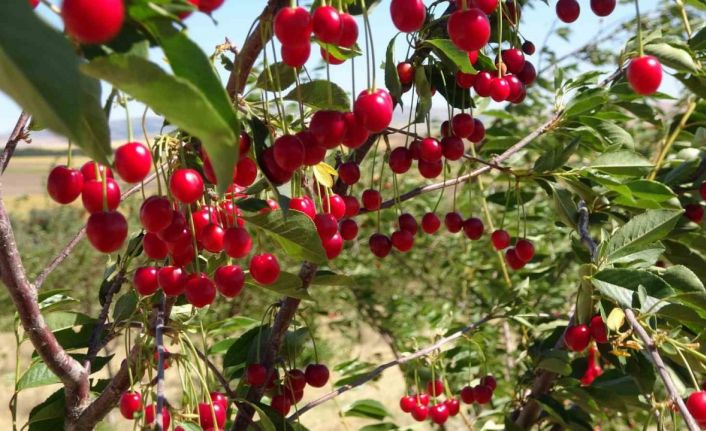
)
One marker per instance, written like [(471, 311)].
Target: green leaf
[(287, 284), (424, 91), (672, 56), (621, 163), (38, 374), (125, 306), (329, 278), (392, 78), (620, 285), (565, 206), (287, 77), (265, 422), (178, 100), (321, 95), (49, 413), (683, 279), (555, 156), (451, 55), (640, 232), (367, 408), (50, 86), (296, 234)]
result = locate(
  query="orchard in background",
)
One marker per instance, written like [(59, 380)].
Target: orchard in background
[(527, 240)]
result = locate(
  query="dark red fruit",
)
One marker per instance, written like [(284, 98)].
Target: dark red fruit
[(514, 59), (326, 225), (603, 7), (489, 381), (408, 15), (316, 375), (281, 404), (93, 21), (371, 199), (469, 30), (430, 223), (435, 388), (702, 190), (512, 259), (407, 222), (145, 280), (208, 6), (478, 132), (482, 394), (644, 74), (500, 239), (465, 80), (186, 185), (430, 170), (568, 10), (133, 162), (473, 228), (524, 250), (329, 127), (349, 173), (229, 280), (271, 169), (528, 74), (402, 240), (288, 152), (356, 133), (453, 222), (400, 160), (200, 290), (528, 47), (352, 206), (172, 280), (462, 125), (154, 247), (468, 395), (348, 229), (577, 337), (64, 184), (264, 268), (292, 25), (452, 148), (255, 374), (130, 403), (380, 245), (599, 331), (155, 213), (694, 212), (327, 24), (313, 152), (106, 231)]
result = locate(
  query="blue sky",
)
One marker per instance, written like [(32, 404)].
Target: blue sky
[(235, 17)]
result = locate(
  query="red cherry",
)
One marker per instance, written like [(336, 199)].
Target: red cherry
[(405, 71), (295, 380), (305, 205), (380, 245), (313, 152), (482, 84), (326, 225), (272, 170), (333, 245), (208, 412), (402, 240), (577, 337), (64, 184), (512, 259), (644, 74), (489, 381), (92, 195), (330, 58), (93, 21), (255, 374), (220, 399), (172, 280), (264, 268), (420, 412), (500, 239), (452, 148), (155, 213), (499, 89), (478, 131), (453, 222), (335, 205), (348, 229), (316, 375), (430, 223), (183, 256), (202, 218), (288, 152), (528, 74), (602, 7), (482, 394), (356, 133), (468, 395), (400, 160), (568, 10), (106, 231), (281, 404), (371, 199), (349, 34), (599, 331), (408, 15), (517, 90), (430, 170), (244, 143), (408, 403), (237, 242), (212, 238), (696, 404), (439, 413), (414, 149), (186, 185), (292, 25), (130, 403), (175, 230), (423, 399), (465, 80), (430, 150), (329, 127), (296, 55), (94, 171), (245, 172), (133, 162), (34, 3), (200, 291), (514, 59), (469, 30), (473, 228), (145, 280), (462, 125), (454, 406), (694, 212), (349, 173), (150, 416), (435, 388), (327, 24), (374, 109), (154, 247), (186, 14), (512, 12), (702, 190), (407, 222), (524, 250), (528, 47), (208, 6)]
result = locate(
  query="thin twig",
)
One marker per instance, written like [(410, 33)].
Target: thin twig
[(18, 134), (95, 343), (159, 341), (582, 226)]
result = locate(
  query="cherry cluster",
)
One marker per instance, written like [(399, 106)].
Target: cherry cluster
[(289, 391), (578, 337), (569, 10), (211, 415), (440, 411)]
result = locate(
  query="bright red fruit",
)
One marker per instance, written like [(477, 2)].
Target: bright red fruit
[(333, 245), (469, 30), (303, 204), (696, 404), (400, 160), (208, 6), (430, 223), (500, 239), (150, 416), (255, 374), (465, 80), (245, 172), (568, 10), (313, 152), (133, 162), (603, 7), (34, 3), (482, 394), (499, 89), (229, 280), (92, 195), (380, 245), (405, 71), (172, 280), (335, 205), (524, 250), (462, 125), (93, 21), (264, 268), (473, 228), (292, 25), (454, 406), (130, 403), (577, 337), (155, 213), (330, 58), (374, 109), (402, 240), (439, 413), (106, 231), (288, 152), (200, 290), (327, 24), (94, 171), (316, 375), (371, 199), (420, 412), (326, 225), (452, 148), (482, 84), (186, 185), (219, 398), (329, 127), (514, 59), (348, 229), (599, 331), (356, 134), (453, 222), (211, 237), (296, 55), (349, 173), (408, 403), (435, 388), (64, 184), (145, 280), (408, 15), (349, 34), (154, 247), (430, 150), (644, 74), (207, 413), (478, 131)]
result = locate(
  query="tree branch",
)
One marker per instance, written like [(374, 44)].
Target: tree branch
[(18, 134), (661, 369), (381, 368), (95, 343)]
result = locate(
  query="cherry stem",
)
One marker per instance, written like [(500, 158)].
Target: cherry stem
[(159, 340), (279, 87), (104, 179), (367, 45), (124, 101), (441, 195), (68, 157), (688, 367), (369, 34), (382, 170), (640, 51), (500, 39), (143, 123), (193, 239)]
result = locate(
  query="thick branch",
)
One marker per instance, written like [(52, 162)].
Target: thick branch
[(381, 368), (661, 369)]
